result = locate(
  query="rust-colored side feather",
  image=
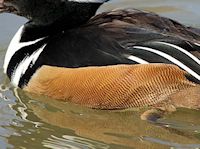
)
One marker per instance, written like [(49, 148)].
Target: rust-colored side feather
[(110, 87)]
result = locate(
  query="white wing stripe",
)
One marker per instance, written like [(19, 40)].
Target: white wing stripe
[(197, 44), (170, 58), (137, 59), (182, 50)]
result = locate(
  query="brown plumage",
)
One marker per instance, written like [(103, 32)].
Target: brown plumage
[(110, 87), (127, 19)]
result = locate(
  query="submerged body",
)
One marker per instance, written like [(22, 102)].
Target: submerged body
[(75, 58)]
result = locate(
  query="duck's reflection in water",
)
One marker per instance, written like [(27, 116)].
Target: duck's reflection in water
[(74, 142), (107, 128)]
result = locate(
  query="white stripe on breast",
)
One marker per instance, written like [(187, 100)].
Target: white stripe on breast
[(170, 58), (182, 50), (24, 64), (16, 45)]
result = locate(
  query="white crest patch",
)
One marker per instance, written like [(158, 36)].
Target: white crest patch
[(16, 45), (24, 64)]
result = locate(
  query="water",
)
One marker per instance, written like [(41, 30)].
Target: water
[(27, 121)]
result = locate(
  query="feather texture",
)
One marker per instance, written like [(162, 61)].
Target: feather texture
[(110, 87)]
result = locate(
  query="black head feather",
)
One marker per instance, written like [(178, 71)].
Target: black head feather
[(45, 12)]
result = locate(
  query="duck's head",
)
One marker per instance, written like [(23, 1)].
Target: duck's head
[(49, 11)]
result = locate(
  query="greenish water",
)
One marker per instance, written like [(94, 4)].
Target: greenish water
[(37, 122)]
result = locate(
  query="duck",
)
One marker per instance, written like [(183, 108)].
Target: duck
[(117, 59)]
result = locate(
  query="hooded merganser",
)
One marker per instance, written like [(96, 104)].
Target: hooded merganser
[(67, 53)]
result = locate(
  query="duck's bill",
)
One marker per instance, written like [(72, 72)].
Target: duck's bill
[(6, 8)]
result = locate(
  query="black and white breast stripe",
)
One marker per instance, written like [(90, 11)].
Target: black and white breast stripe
[(20, 55)]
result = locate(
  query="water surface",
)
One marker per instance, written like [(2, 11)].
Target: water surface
[(27, 121)]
